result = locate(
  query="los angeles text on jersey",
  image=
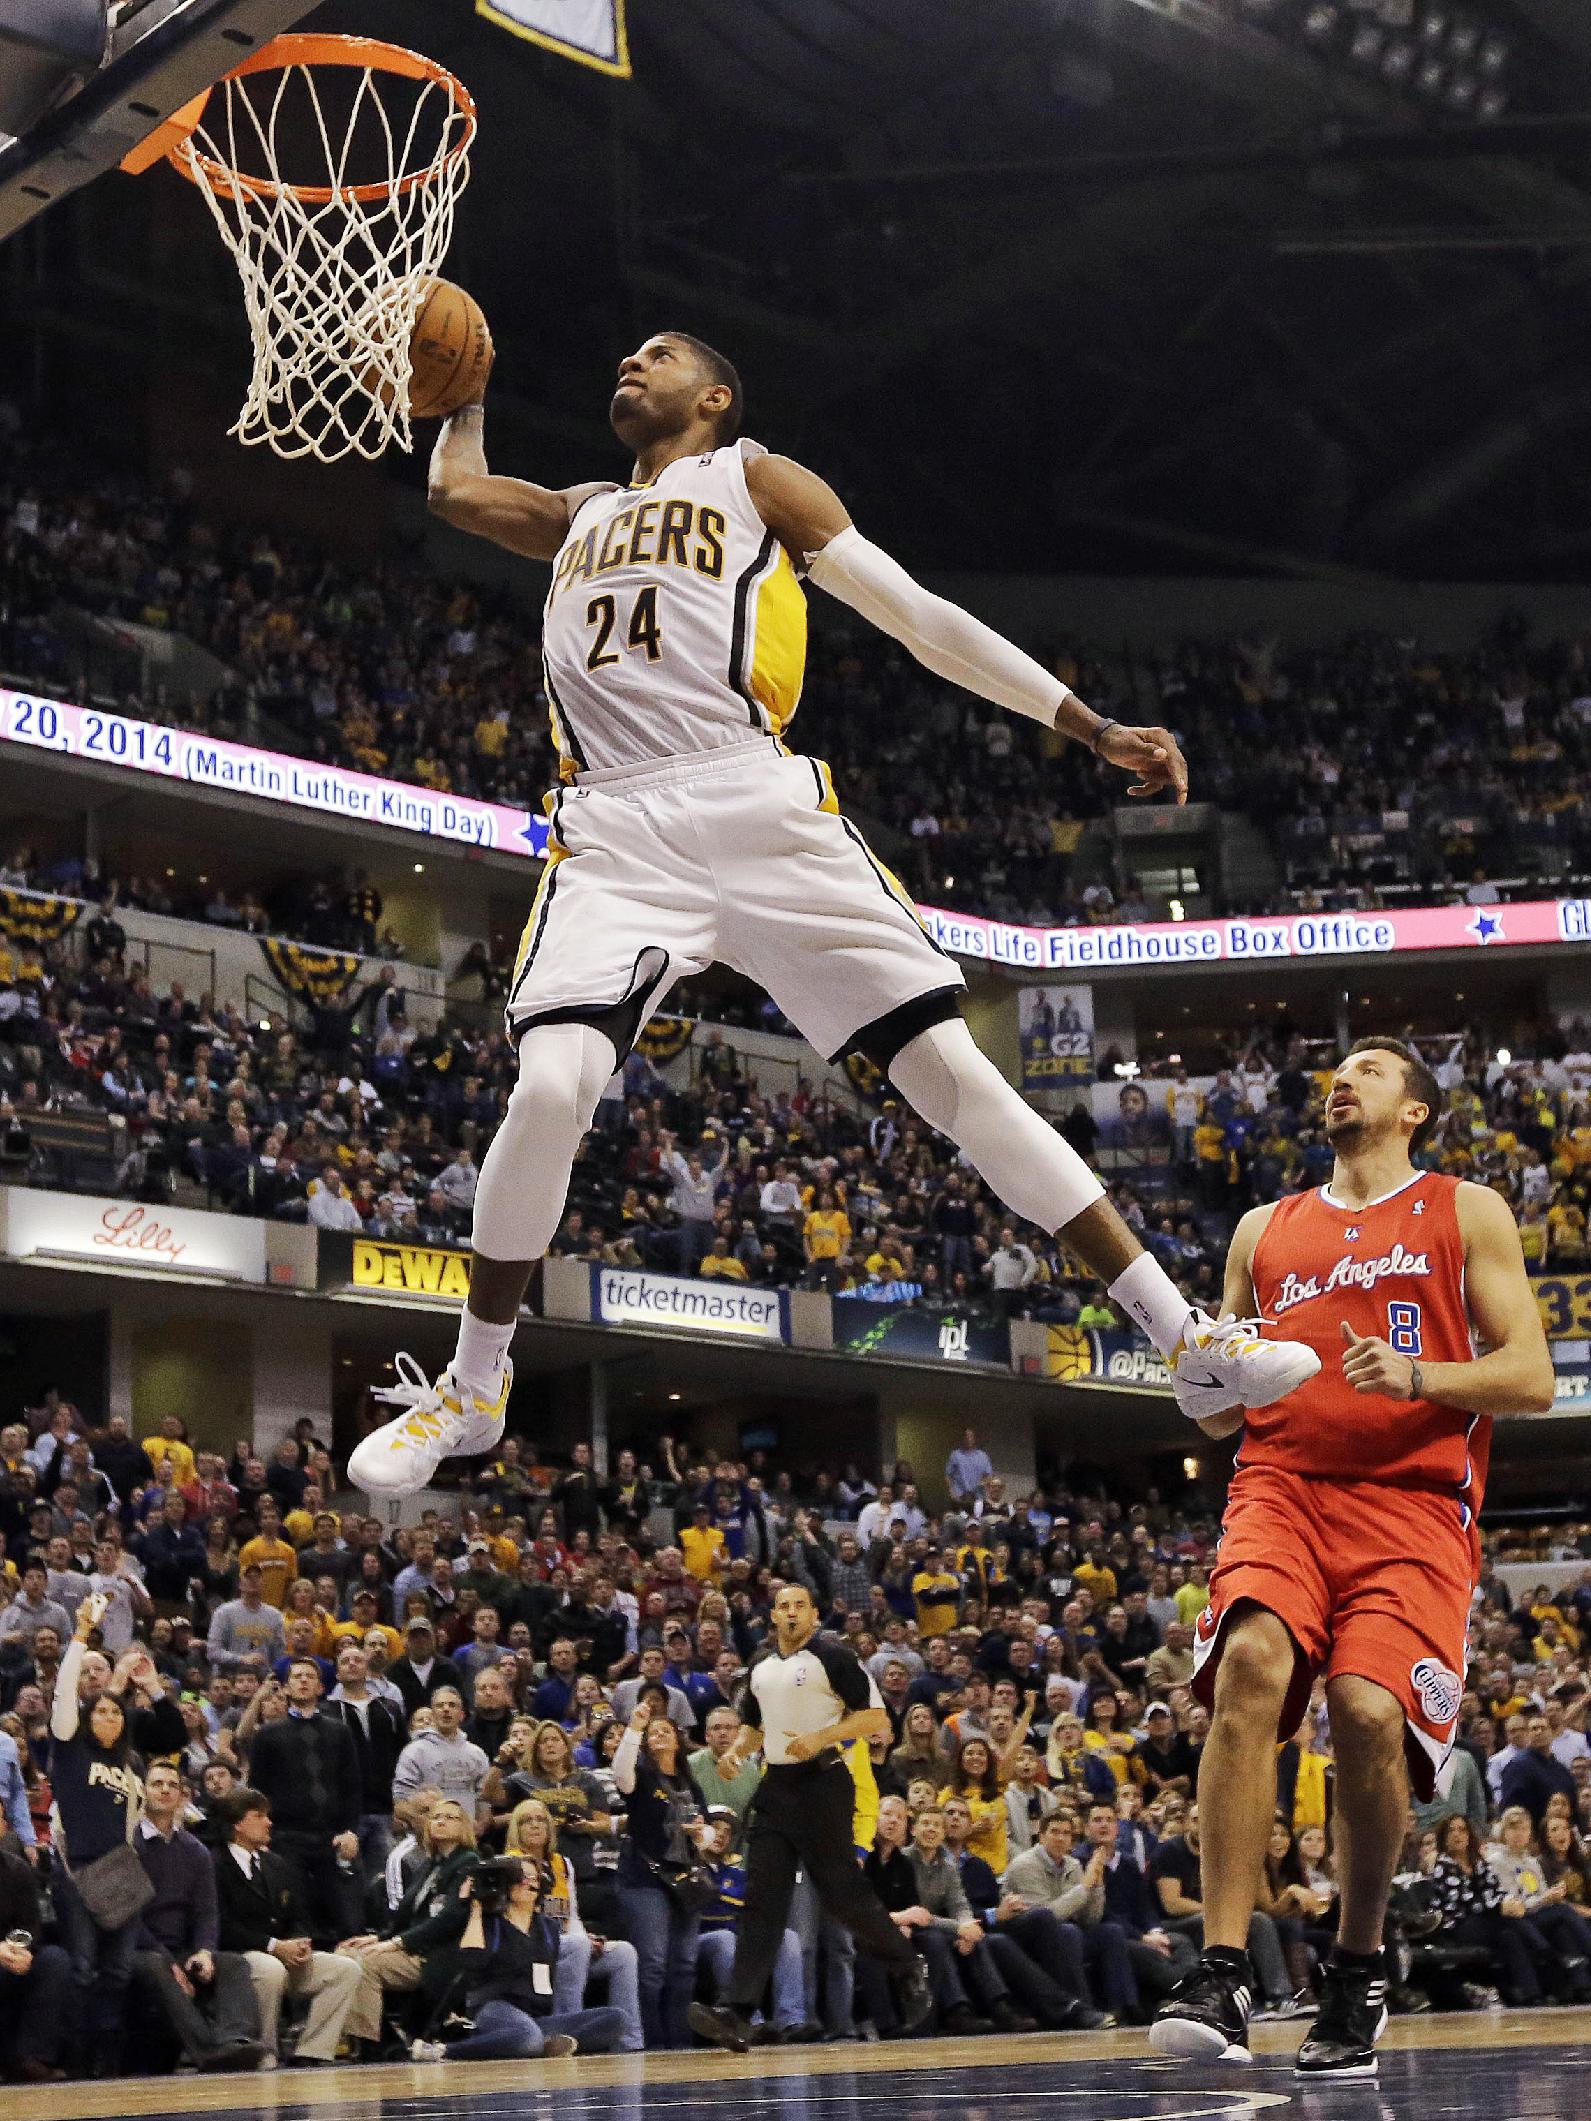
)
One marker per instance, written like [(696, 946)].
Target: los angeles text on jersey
[(1348, 1273), (656, 533)]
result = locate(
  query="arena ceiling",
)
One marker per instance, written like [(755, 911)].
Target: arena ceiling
[(1085, 284)]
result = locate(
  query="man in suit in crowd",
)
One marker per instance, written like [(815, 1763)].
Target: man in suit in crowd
[(263, 1920)]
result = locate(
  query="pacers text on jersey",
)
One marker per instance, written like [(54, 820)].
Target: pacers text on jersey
[(676, 533)]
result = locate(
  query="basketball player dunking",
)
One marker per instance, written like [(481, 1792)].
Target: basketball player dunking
[(683, 832), (1349, 1546)]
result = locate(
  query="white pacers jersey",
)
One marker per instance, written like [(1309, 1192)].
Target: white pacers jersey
[(675, 624)]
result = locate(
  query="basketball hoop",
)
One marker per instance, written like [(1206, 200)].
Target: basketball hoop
[(334, 268)]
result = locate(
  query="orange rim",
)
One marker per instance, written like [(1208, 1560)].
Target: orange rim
[(307, 49)]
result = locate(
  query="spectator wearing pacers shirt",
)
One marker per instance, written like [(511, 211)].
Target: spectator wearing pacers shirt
[(806, 1698)]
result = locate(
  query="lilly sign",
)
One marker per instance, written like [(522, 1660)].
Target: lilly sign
[(1259, 941), (269, 776)]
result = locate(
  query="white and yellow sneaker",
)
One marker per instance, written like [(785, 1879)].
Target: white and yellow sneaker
[(441, 1420), (1224, 1362)]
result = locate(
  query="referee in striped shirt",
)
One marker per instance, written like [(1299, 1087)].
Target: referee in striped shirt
[(806, 1696)]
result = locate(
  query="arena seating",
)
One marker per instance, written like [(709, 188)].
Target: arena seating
[(1377, 770), (199, 1104)]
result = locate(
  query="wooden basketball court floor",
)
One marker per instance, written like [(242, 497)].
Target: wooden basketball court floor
[(1486, 2066)]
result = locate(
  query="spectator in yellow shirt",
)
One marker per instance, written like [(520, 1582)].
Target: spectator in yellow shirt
[(1192, 1597), (272, 1555), (505, 1552), (721, 1264), (975, 1782), (170, 1443), (1566, 1230), (937, 1592), (1117, 1747), (705, 1549), (1096, 1575), (827, 1231), (1209, 1143), (363, 1624)]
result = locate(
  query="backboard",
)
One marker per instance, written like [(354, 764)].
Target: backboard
[(160, 54)]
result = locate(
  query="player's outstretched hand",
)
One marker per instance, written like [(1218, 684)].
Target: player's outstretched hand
[(1372, 1365), (1154, 755)]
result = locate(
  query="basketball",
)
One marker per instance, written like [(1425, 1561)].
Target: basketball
[(451, 352)]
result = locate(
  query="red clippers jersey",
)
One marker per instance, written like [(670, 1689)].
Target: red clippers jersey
[(1395, 1270)]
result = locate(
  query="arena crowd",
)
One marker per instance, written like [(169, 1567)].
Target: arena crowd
[(356, 1120), (1371, 765), (280, 1785)]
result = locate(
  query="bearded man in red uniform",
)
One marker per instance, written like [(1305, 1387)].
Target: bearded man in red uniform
[(1349, 1548)]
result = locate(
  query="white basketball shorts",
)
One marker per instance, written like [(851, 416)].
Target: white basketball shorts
[(737, 857)]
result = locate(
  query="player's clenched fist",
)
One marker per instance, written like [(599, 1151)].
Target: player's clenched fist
[(1372, 1365)]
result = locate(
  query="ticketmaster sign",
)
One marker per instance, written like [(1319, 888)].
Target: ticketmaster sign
[(623, 1296)]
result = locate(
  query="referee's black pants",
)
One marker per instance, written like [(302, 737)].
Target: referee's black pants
[(801, 1819)]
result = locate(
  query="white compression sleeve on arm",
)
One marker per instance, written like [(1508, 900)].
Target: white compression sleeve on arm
[(942, 636)]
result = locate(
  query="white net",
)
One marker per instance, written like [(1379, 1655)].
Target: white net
[(333, 186)]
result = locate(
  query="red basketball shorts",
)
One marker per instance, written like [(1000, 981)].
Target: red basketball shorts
[(1367, 1579)]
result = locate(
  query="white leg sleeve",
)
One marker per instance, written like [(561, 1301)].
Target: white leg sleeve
[(524, 1180), (960, 1091)]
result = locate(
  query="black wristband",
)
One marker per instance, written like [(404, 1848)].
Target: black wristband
[(1099, 734), (1416, 1379)]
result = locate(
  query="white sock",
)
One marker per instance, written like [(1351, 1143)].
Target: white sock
[(478, 1360), (1146, 1292)]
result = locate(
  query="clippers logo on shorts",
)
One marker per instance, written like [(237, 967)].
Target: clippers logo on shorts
[(1206, 1634), (1348, 1273), (1439, 1690)]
